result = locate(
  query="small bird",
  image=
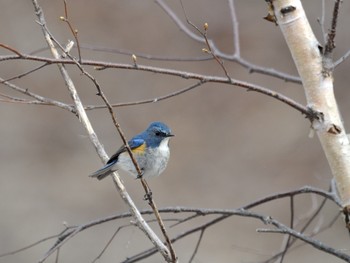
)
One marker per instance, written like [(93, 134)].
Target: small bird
[(150, 149)]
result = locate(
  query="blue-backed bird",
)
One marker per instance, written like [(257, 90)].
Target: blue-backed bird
[(150, 149)]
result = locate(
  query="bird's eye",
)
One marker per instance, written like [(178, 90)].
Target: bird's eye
[(159, 133)]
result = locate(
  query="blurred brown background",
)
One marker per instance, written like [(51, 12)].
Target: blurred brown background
[(231, 147)]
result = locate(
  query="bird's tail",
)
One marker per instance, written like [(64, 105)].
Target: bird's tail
[(103, 172)]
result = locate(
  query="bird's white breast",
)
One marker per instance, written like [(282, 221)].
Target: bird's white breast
[(163, 147), (159, 160)]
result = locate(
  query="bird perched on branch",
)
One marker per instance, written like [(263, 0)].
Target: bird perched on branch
[(150, 149)]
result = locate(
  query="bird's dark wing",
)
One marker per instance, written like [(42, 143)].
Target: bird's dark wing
[(133, 143)]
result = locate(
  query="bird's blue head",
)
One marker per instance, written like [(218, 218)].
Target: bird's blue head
[(156, 133)]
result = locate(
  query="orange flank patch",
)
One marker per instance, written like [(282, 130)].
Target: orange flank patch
[(139, 150)]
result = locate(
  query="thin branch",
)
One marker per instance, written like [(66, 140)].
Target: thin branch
[(40, 99), (302, 190), (224, 213), (209, 49), (10, 49), (12, 99), (108, 243), (127, 52), (29, 246), (199, 212), (342, 59), (73, 31), (303, 229), (26, 73), (244, 63), (235, 30), (242, 212), (153, 100), (183, 74), (178, 22), (57, 255), (235, 58), (149, 252), (284, 252), (322, 22), (330, 45), (197, 245), (282, 229)]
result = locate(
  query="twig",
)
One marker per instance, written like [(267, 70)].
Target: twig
[(241, 61), (197, 245), (330, 45), (322, 21), (127, 52), (153, 100), (252, 68), (302, 190), (26, 73), (184, 74), (303, 229), (114, 105), (284, 252), (315, 243), (10, 49), (224, 213), (149, 252), (108, 243), (235, 30), (29, 246), (209, 49), (40, 99), (342, 59), (73, 31)]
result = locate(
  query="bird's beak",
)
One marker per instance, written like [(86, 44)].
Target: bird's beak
[(170, 135)]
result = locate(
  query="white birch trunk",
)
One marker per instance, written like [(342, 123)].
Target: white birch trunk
[(318, 85)]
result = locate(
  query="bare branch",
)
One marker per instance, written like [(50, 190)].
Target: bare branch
[(64, 236), (204, 35), (330, 45), (342, 59), (39, 99), (108, 243), (303, 190), (26, 73), (322, 21), (153, 100), (183, 74), (235, 30), (287, 245), (315, 243), (231, 57), (73, 31), (197, 245), (10, 49)]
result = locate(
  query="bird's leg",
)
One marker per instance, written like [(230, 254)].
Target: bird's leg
[(148, 196)]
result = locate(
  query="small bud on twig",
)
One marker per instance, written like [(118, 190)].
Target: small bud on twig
[(134, 58)]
